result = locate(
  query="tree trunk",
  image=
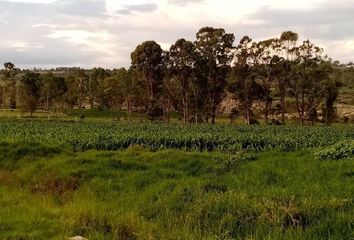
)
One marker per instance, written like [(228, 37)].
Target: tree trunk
[(248, 114), (298, 108), (185, 115), (213, 119), (266, 115), (302, 107), (168, 109), (4, 98), (213, 115), (267, 110), (282, 103), (151, 90), (326, 118), (91, 102), (185, 108), (47, 103), (129, 111)]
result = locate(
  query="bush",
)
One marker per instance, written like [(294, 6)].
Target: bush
[(341, 150), (12, 154)]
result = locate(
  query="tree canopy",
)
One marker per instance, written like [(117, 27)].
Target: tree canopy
[(195, 79)]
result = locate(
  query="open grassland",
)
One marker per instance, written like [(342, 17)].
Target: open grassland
[(47, 193), (154, 181)]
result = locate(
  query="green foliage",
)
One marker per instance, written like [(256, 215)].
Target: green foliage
[(52, 89), (341, 150), (30, 91), (85, 135), (214, 47), (181, 59), (95, 87), (147, 59)]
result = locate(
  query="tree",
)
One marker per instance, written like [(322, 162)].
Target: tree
[(330, 87), (147, 60), (192, 78), (9, 66), (170, 91), (77, 83), (330, 92), (344, 73), (181, 63), (134, 92), (53, 89), (215, 47), (287, 48), (242, 83), (114, 89), (267, 67), (288, 41), (307, 76), (11, 83), (30, 92), (95, 89)]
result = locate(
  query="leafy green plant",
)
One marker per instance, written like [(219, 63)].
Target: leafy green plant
[(82, 135), (341, 150)]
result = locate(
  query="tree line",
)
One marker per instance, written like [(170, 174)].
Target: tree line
[(193, 78)]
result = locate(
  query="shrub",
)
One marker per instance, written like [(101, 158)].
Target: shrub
[(341, 150)]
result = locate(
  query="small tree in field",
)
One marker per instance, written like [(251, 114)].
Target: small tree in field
[(30, 92), (11, 83)]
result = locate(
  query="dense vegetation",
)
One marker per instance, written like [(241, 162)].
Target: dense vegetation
[(50, 193), (265, 79), (115, 136)]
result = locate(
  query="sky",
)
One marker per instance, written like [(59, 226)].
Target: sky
[(103, 33)]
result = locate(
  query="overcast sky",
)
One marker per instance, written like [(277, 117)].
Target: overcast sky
[(87, 33)]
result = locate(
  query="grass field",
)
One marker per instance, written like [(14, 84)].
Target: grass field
[(174, 181)]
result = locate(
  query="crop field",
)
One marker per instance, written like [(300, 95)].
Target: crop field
[(145, 181), (82, 136)]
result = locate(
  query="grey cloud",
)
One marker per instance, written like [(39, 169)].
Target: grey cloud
[(42, 58), (328, 23), (129, 9), (17, 21), (324, 13), (90, 8), (54, 52), (329, 20), (13, 12), (34, 11), (184, 2)]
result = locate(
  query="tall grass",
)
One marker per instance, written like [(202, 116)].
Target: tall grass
[(173, 194)]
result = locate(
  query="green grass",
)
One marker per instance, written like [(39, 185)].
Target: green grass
[(100, 114), (47, 192)]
